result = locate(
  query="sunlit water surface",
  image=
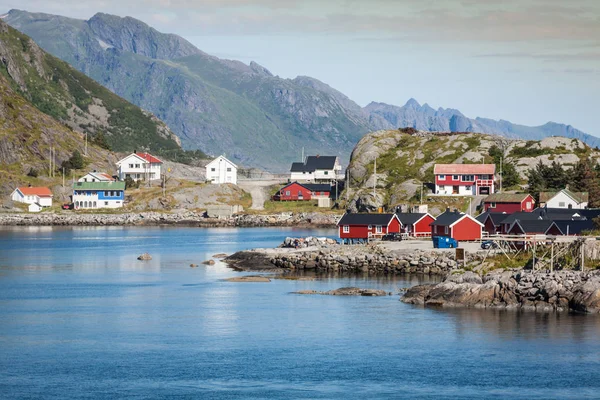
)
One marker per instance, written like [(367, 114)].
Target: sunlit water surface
[(80, 317)]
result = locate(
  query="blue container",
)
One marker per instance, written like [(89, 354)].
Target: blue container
[(444, 242)]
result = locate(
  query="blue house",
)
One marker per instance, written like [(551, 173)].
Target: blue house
[(88, 195)]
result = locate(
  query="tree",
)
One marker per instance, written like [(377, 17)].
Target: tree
[(130, 183), (100, 140), (33, 172), (585, 178), (510, 175), (74, 162), (498, 151)]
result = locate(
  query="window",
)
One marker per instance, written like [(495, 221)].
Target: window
[(112, 193), (468, 187), (468, 178), (446, 230), (370, 227), (94, 205), (228, 169), (130, 165), (528, 205), (106, 203), (378, 229), (455, 177), (326, 172), (561, 204), (212, 170), (492, 205), (346, 229), (85, 179), (137, 165), (287, 193), (106, 194), (442, 177)]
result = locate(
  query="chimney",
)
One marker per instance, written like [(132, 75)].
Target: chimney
[(447, 209)]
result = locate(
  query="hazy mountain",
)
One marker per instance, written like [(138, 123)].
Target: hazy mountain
[(425, 118), (219, 105), (226, 106)]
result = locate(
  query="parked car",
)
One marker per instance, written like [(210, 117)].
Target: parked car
[(489, 244), (67, 206), (392, 237)]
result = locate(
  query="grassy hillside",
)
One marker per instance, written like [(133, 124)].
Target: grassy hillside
[(67, 95)]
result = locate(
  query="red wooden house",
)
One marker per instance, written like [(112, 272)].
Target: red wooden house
[(302, 192), (416, 224), (457, 225), (464, 179), (365, 226), (492, 222), (509, 202)]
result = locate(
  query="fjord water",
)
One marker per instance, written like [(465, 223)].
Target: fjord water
[(80, 317)]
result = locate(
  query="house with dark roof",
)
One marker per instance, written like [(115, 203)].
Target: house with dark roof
[(366, 226), (139, 166), (492, 222), (575, 227), (457, 225), (534, 227), (564, 199), (415, 224), (464, 179), (303, 192), (508, 202), (317, 168)]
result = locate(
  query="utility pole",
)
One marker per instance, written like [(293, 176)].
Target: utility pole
[(421, 193), (50, 164), (85, 151), (63, 177), (302, 154), (501, 159), (374, 178)]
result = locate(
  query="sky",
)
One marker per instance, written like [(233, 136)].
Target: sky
[(526, 61)]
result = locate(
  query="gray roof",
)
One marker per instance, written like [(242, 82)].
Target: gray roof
[(534, 225), (313, 163), (495, 216), (575, 227), (448, 218), (409, 218)]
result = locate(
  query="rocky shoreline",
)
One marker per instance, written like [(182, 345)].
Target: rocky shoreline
[(188, 218), (513, 290)]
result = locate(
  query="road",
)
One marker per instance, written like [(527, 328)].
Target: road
[(259, 190)]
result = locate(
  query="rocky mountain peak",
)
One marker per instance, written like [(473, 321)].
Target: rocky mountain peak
[(412, 103), (259, 69)]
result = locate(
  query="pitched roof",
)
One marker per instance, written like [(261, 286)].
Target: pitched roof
[(575, 227), (530, 226), (365, 219), (313, 163), (410, 218), (496, 217), (447, 218), (468, 169), (580, 197), (101, 176), (35, 191), (506, 198), (317, 187), (149, 157), (113, 185)]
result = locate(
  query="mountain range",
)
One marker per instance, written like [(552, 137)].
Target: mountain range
[(225, 106)]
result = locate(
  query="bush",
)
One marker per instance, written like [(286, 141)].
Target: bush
[(33, 173)]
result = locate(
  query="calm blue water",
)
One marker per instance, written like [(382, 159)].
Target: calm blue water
[(80, 317)]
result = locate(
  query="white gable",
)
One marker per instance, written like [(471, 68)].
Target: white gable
[(221, 159), (133, 158)]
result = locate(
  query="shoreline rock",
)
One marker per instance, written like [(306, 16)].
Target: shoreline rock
[(248, 279), (151, 218), (347, 291), (513, 290)]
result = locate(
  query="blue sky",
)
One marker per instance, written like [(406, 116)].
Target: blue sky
[(527, 61)]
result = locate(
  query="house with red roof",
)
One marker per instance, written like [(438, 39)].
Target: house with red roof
[(36, 197), (464, 179), (139, 166), (96, 177)]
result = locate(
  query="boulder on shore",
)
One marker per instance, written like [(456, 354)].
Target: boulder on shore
[(249, 279), (208, 262), (144, 257)]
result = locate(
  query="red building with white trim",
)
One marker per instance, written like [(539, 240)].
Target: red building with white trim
[(457, 225), (464, 179), (365, 226), (416, 224), (302, 192), (509, 203)]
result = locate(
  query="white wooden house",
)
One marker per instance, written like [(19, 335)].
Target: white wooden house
[(41, 196), (317, 169), (564, 199), (221, 170), (139, 166), (96, 177)]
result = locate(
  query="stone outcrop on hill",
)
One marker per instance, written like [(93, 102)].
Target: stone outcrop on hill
[(533, 291), (405, 159)]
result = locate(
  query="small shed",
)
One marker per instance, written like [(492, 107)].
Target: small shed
[(35, 207)]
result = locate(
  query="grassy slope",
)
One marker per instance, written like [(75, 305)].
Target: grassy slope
[(59, 86)]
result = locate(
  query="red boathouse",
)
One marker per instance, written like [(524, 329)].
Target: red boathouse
[(365, 226)]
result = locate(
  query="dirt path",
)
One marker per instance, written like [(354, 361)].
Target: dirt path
[(258, 190)]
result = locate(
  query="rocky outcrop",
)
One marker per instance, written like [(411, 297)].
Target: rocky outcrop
[(532, 291), (347, 291), (145, 257)]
